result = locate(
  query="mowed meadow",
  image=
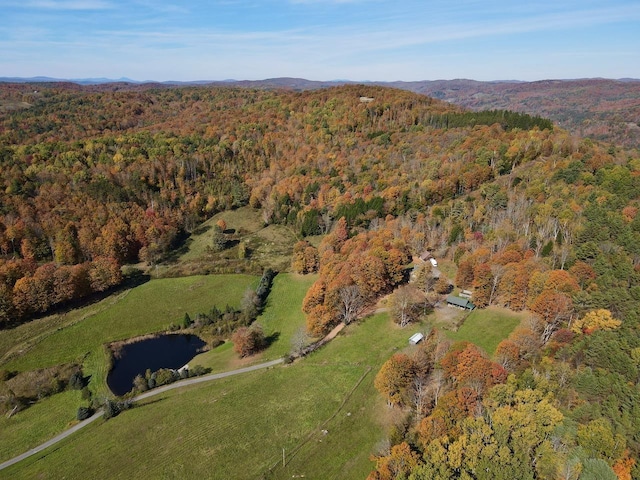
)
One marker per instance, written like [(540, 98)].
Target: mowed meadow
[(237, 427), (81, 335), (486, 328)]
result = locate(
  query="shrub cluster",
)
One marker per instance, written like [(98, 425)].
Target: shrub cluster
[(19, 390), (228, 320), (165, 376), (113, 408)]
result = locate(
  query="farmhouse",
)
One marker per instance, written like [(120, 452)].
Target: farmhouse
[(463, 303)]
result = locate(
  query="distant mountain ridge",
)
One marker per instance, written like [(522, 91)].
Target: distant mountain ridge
[(295, 82), (79, 81), (599, 108)]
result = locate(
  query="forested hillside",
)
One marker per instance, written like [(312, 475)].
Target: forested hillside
[(93, 180), (531, 216), (603, 109), (598, 108)]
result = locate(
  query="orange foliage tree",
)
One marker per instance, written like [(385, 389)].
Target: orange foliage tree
[(394, 379), (373, 261), (552, 308), (399, 463), (248, 340)]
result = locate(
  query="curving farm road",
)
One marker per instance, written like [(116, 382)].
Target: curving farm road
[(150, 393)]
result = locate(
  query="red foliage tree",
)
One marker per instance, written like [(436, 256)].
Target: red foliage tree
[(248, 340), (553, 309), (561, 281), (464, 275), (583, 272), (466, 365)]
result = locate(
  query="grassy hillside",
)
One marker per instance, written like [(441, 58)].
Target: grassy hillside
[(266, 246), (487, 327), (148, 308), (236, 428), (37, 424), (281, 320), (80, 336)]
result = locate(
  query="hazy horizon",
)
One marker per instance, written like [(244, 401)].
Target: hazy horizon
[(99, 80), (323, 40)]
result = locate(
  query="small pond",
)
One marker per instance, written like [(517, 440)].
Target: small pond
[(163, 351)]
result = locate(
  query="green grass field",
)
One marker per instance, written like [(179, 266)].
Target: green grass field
[(232, 428), (148, 308), (37, 423), (280, 320), (283, 315), (487, 327), (268, 246), (236, 428)]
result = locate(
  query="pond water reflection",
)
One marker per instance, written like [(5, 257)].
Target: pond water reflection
[(163, 351)]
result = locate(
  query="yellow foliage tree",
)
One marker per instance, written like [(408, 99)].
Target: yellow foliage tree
[(600, 319)]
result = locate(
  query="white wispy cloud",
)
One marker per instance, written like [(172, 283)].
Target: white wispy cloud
[(352, 40), (164, 7), (62, 5), (358, 39)]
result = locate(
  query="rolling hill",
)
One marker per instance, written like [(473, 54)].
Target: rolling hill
[(530, 216)]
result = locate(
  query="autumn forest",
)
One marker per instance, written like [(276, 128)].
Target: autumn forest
[(96, 180)]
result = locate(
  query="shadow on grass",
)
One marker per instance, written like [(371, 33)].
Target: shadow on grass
[(132, 280), (147, 402), (271, 339), (86, 380), (201, 229)]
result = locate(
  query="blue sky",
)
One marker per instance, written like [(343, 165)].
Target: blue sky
[(320, 39)]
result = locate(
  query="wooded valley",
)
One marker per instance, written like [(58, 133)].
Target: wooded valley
[(97, 183)]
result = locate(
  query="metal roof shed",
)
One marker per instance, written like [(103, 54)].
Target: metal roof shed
[(460, 302), (416, 338)]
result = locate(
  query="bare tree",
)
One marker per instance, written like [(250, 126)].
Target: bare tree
[(250, 303), (570, 470), (436, 383), (404, 305), (351, 303), (420, 395), (497, 271), (326, 222), (441, 348), (565, 251), (299, 341)]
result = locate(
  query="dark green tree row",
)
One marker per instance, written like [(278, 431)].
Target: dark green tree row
[(506, 119)]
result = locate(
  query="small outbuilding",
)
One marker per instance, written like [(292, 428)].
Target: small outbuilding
[(426, 255), (416, 338), (464, 303)]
